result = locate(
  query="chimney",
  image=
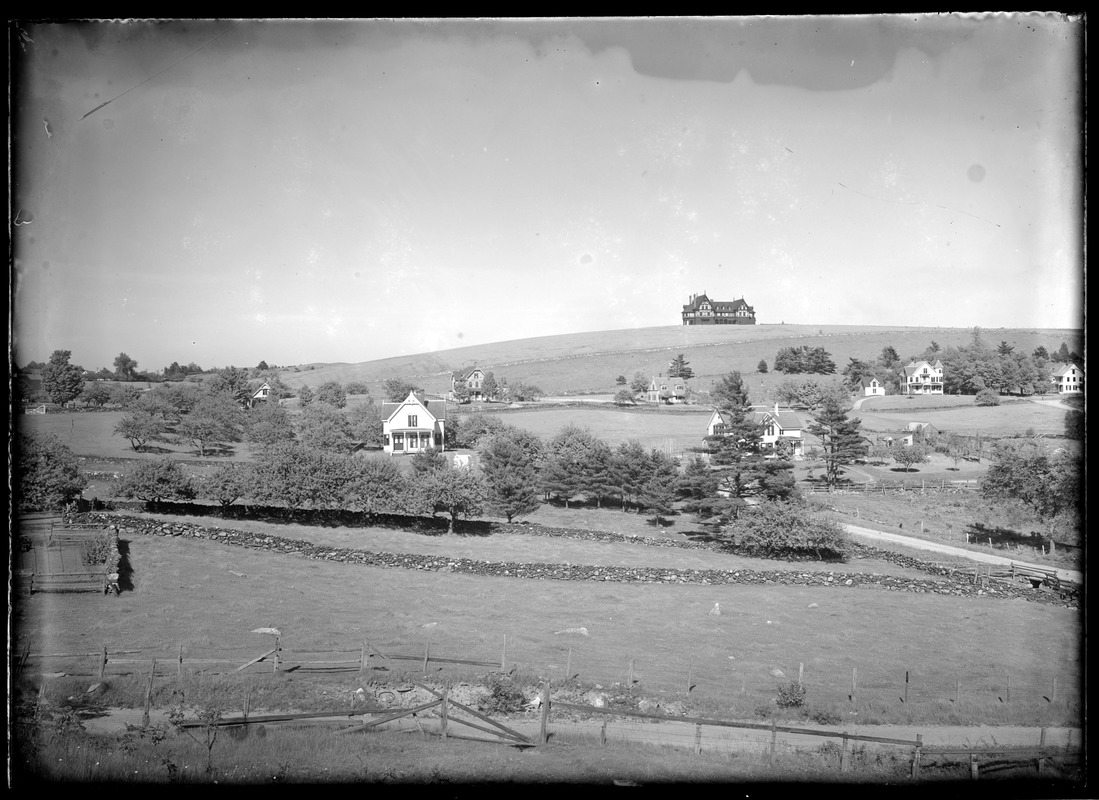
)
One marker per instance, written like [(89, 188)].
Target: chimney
[(776, 406)]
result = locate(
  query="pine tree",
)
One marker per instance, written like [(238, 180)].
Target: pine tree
[(678, 368), (839, 435), (629, 469), (511, 474)]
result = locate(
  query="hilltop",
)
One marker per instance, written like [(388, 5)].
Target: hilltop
[(580, 363)]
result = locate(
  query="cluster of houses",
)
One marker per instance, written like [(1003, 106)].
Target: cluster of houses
[(417, 423)]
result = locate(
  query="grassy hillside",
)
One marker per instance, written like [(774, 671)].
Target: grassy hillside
[(589, 362)]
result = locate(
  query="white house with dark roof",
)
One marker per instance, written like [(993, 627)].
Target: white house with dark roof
[(413, 425), (1068, 379), (872, 387), (920, 377), (780, 425), (666, 390), (261, 395)]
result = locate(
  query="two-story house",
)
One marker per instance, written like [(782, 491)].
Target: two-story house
[(261, 395), (921, 377), (473, 379), (781, 426), (413, 425), (666, 390), (1068, 379)]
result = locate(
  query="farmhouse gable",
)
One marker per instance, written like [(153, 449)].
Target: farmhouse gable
[(872, 387), (261, 395), (1068, 379), (413, 425), (473, 379), (921, 377), (781, 427)]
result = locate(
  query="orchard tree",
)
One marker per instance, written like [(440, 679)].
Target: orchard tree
[(96, 394), (125, 367), (457, 492), (784, 530), (215, 420), (397, 389), (156, 481), (267, 425), (305, 395), (324, 427), (377, 487), (140, 428), (1049, 483), (333, 393), (61, 380), (986, 397), (365, 421), (907, 455), (429, 460), (46, 474), (123, 395), (840, 438), (227, 484), (624, 397)]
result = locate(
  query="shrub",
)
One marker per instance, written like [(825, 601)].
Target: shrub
[(792, 695), (824, 715), (987, 397), (785, 529), (503, 698)]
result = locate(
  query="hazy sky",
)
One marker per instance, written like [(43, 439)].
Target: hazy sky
[(316, 191)]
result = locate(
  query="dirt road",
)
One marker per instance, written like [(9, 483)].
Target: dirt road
[(922, 544)]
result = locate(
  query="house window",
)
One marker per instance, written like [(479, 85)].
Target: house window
[(412, 420)]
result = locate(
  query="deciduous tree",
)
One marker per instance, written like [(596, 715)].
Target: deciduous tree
[(125, 367), (216, 419), (140, 428), (156, 481), (47, 476), (324, 427), (333, 393), (457, 492), (907, 455)]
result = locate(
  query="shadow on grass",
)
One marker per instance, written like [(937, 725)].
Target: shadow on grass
[(125, 571), (1005, 537)]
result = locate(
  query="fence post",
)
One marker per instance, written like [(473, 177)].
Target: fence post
[(801, 672), (103, 663), (568, 665), (698, 739), (774, 739), (690, 664), (446, 690), (504, 655), (957, 691), (973, 770), (906, 687), (362, 657), (179, 664), (603, 734), (1009, 688), (854, 684), (148, 697), (1053, 694), (545, 713), (916, 757), (844, 763), (427, 652), (1041, 746), (630, 680)]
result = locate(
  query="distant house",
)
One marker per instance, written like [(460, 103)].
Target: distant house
[(262, 395), (666, 390), (780, 425), (921, 377), (1068, 379), (912, 433), (872, 387), (474, 380), (413, 425), (701, 310)]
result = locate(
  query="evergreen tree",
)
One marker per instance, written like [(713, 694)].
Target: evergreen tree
[(697, 487), (510, 471), (888, 356), (61, 380), (490, 387), (659, 489), (730, 393), (596, 471), (629, 470), (562, 474), (761, 367), (839, 435), (679, 367)]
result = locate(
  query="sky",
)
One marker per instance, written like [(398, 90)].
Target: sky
[(230, 191)]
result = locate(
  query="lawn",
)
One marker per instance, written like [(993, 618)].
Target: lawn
[(1007, 419)]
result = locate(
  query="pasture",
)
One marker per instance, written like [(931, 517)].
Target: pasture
[(209, 596)]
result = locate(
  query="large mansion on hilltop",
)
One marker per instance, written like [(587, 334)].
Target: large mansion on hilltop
[(704, 311)]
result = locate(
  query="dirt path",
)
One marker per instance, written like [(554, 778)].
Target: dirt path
[(923, 544)]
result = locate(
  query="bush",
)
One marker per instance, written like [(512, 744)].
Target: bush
[(783, 530), (504, 697), (792, 695), (987, 397), (824, 716)]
